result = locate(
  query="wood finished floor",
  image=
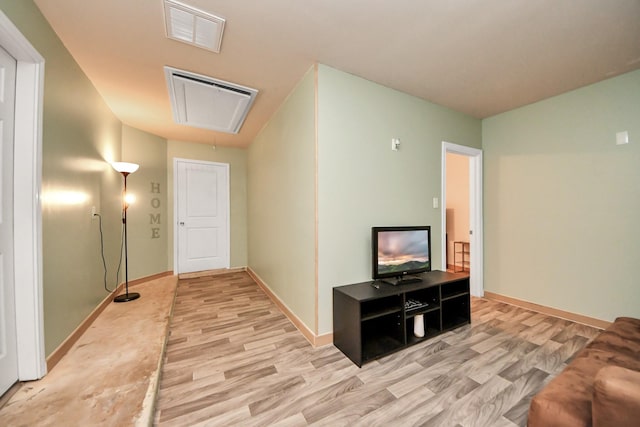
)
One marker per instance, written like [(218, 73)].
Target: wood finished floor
[(234, 359)]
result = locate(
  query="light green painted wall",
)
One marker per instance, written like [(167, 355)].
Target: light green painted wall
[(281, 187), (362, 183), (237, 160), (80, 134), (562, 201), (147, 216)]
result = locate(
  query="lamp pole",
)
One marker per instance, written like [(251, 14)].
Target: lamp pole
[(125, 169)]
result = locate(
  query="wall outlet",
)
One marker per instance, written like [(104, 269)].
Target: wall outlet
[(93, 212)]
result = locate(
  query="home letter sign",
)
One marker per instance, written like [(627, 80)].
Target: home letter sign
[(154, 218)]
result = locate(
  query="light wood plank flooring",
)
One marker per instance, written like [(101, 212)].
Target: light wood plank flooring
[(233, 358)]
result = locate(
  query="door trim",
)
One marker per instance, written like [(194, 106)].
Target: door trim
[(27, 212), (475, 212), (177, 160)]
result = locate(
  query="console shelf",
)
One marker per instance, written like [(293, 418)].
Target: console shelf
[(420, 310), (460, 294), (381, 313), (370, 322)]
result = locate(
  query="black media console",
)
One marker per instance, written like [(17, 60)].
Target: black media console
[(373, 319)]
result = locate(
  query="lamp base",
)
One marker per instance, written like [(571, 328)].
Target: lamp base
[(127, 297)]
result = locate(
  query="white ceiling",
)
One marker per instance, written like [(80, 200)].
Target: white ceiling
[(479, 57)]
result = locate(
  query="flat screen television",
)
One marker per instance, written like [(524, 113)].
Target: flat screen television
[(399, 253)]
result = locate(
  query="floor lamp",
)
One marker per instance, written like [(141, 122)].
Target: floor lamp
[(125, 169)]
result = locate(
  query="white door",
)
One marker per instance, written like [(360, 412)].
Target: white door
[(8, 346), (202, 206)]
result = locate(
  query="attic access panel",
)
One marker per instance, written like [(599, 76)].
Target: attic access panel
[(204, 102)]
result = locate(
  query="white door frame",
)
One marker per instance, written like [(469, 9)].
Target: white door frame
[(175, 208), (27, 181), (475, 212)]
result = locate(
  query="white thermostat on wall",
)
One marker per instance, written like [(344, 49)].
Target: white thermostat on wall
[(622, 138)]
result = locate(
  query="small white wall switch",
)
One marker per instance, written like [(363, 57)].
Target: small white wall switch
[(435, 203), (395, 143), (622, 138)]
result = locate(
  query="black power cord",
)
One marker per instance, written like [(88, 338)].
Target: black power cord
[(104, 262)]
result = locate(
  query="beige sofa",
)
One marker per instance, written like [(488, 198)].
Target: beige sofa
[(599, 388)]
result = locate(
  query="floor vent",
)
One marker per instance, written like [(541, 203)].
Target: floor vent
[(193, 26), (208, 103)]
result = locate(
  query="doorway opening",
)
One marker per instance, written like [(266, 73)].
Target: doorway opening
[(457, 214), (462, 216)]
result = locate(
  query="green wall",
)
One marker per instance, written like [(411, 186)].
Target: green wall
[(562, 201), (147, 216), (80, 135), (281, 218), (363, 183), (560, 195), (237, 160)]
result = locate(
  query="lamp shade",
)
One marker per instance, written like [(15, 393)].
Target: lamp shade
[(124, 167)]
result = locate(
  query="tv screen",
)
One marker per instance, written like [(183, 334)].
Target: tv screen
[(399, 252)]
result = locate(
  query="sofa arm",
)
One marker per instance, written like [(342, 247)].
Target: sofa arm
[(616, 397)]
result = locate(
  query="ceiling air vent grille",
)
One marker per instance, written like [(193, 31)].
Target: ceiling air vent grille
[(204, 102), (193, 26)]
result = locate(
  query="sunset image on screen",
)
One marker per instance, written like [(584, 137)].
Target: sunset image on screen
[(402, 250)]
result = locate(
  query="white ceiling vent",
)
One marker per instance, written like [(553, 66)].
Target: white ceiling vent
[(193, 26), (204, 102)]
